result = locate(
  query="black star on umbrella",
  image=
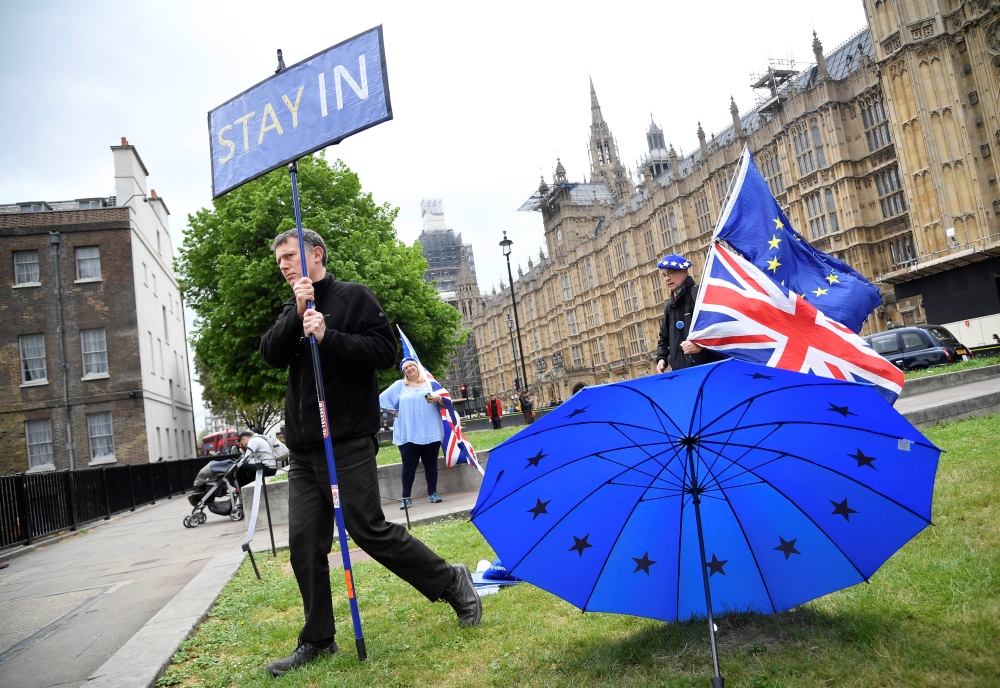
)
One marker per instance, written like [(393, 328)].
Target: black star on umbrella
[(787, 547), (539, 508), (758, 376), (643, 563), (841, 509), (580, 544), (715, 566), (842, 410), (577, 412), (863, 460), (533, 460)]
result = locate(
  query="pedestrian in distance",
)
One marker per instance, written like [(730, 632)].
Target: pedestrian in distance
[(494, 411), (673, 348), (354, 340), (527, 409), (417, 430)]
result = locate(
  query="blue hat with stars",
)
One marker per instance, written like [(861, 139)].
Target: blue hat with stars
[(674, 262)]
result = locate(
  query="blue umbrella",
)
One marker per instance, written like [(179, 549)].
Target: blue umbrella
[(725, 487)]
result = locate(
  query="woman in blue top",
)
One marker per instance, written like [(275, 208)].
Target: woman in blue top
[(417, 430)]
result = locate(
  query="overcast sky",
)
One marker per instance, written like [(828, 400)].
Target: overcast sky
[(484, 97)]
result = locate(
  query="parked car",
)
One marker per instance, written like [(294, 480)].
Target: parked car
[(912, 348)]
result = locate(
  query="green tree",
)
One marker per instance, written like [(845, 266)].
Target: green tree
[(229, 277), (261, 414)]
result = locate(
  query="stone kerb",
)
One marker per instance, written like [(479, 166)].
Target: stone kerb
[(933, 383), (390, 483)]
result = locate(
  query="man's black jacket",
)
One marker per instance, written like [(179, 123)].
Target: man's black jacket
[(358, 341), (679, 309)]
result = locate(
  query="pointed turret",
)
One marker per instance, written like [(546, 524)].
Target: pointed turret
[(821, 72), (703, 144), (605, 165), (673, 162), (595, 107), (560, 176), (735, 112)]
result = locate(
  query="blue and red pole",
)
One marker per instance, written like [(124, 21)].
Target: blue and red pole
[(359, 638)]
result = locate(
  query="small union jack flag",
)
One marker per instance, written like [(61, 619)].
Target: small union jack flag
[(744, 314), (457, 447)]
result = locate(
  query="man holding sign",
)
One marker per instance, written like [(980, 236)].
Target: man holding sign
[(333, 337), (355, 340)]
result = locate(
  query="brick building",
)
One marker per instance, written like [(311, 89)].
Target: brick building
[(93, 359)]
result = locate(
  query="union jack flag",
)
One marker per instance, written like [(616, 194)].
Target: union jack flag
[(457, 447), (742, 313)]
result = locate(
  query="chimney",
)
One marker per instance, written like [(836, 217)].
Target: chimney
[(124, 141), (152, 193)]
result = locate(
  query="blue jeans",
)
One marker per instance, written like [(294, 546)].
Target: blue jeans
[(412, 454)]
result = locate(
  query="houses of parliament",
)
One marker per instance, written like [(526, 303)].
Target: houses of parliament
[(880, 153)]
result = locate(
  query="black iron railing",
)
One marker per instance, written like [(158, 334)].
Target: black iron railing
[(33, 505)]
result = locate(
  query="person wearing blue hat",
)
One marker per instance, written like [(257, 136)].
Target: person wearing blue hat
[(673, 348)]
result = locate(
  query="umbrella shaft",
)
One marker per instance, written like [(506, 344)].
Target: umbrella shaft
[(696, 500)]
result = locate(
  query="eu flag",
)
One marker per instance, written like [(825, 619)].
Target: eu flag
[(753, 224)]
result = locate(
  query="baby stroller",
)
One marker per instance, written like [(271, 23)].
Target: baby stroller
[(216, 479)]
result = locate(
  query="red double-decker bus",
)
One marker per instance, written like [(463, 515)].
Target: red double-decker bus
[(221, 442)]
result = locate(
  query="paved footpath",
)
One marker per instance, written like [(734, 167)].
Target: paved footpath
[(68, 606)]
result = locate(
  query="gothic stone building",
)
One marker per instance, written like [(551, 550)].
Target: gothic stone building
[(452, 268), (880, 153)]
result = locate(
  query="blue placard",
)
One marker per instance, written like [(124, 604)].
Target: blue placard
[(306, 107)]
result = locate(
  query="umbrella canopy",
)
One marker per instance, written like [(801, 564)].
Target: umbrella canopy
[(805, 485)]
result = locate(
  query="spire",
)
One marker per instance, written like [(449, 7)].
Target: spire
[(821, 72), (703, 144), (654, 135), (543, 188), (735, 111), (673, 162), (595, 107), (560, 176)]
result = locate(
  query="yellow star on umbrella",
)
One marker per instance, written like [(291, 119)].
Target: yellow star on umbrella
[(777, 223), (831, 278), (820, 291), (773, 265), (773, 243)]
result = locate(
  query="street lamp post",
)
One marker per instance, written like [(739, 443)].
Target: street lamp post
[(505, 245), (510, 328)]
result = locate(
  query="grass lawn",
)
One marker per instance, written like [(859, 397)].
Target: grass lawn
[(481, 439), (980, 362), (929, 617)]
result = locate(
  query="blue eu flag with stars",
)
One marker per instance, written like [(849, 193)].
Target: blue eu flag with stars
[(753, 224)]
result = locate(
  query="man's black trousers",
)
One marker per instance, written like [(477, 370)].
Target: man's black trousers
[(310, 536)]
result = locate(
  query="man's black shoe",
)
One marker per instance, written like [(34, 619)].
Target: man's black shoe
[(304, 653), (462, 596)]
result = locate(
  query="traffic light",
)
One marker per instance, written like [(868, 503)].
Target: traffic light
[(463, 391)]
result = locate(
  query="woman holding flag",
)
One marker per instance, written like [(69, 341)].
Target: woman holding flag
[(417, 430)]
